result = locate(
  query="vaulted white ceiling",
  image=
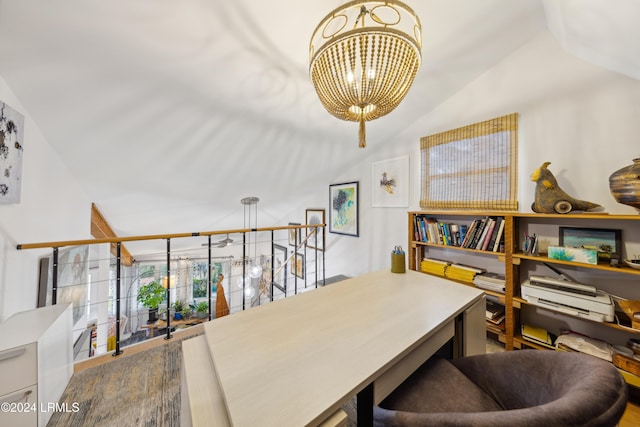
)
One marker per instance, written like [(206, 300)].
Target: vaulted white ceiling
[(169, 112)]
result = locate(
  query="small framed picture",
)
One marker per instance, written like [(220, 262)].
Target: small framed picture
[(607, 242), (391, 183), (315, 235), (298, 265), (295, 236), (343, 215), (280, 267)]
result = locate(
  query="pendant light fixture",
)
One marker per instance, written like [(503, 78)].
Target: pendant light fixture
[(364, 56), (255, 270)]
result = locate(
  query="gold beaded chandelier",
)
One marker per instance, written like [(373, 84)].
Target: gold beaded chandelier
[(364, 56)]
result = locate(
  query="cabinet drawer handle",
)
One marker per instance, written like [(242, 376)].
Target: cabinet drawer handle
[(18, 397), (10, 354)]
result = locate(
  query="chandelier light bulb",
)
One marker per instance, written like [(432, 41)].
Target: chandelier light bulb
[(242, 280), (249, 291), (255, 271)]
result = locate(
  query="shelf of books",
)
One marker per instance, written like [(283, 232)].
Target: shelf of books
[(435, 244), (536, 300)]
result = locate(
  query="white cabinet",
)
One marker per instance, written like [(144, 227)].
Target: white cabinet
[(36, 363)]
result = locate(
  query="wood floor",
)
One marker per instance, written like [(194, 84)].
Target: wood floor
[(631, 417)]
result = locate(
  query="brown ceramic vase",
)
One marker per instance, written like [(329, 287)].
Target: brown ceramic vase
[(625, 184)]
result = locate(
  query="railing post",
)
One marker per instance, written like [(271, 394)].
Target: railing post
[(210, 280), (294, 264), (118, 276), (323, 251), (315, 256), (244, 267), (168, 337), (54, 278), (273, 262)]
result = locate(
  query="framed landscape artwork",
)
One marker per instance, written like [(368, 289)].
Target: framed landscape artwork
[(391, 183), (343, 215), (316, 235), (607, 242)]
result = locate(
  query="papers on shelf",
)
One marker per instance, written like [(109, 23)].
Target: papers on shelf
[(490, 281), (583, 344)]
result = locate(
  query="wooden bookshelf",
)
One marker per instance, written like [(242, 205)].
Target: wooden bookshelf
[(514, 263)]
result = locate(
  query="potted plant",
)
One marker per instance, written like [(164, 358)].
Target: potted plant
[(179, 308), (202, 309), (188, 310), (150, 296)]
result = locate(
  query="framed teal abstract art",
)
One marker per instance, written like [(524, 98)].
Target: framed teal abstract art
[(343, 212)]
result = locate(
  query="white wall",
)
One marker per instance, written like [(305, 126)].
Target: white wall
[(53, 207), (582, 118)]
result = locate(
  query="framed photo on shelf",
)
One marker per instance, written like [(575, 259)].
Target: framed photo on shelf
[(294, 235), (391, 183), (607, 242), (316, 235), (343, 213), (298, 265), (280, 267)]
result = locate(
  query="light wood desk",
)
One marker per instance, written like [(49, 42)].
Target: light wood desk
[(296, 361)]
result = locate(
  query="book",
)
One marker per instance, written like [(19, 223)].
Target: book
[(434, 266), (463, 233), (491, 225), (494, 234), (480, 242), (455, 234), (499, 236), (463, 273), (492, 277), (494, 309), (538, 335), (469, 233), (490, 281), (473, 241)]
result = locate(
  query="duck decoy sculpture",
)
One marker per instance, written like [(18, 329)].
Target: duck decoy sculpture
[(550, 198)]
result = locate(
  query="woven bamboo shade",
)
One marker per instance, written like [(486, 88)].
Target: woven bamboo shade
[(472, 167)]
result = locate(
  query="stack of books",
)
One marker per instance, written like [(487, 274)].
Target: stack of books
[(537, 335), (434, 266), (462, 273), (490, 281), (495, 312)]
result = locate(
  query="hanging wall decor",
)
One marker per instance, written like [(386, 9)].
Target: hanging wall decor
[(280, 267), (343, 215), (316, 235), (11, 149), (391, 183)]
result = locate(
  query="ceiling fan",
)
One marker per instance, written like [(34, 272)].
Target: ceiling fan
[(221, 243)]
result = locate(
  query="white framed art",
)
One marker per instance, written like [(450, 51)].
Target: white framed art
[(391, 183)]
